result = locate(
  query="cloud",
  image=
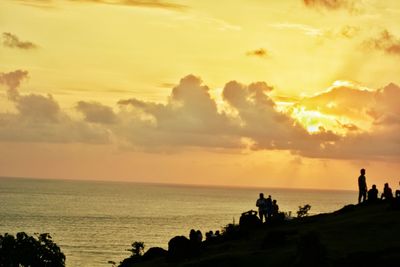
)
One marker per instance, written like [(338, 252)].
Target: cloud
[(306, 29), (329, 4), (190, 118), (349, 31), (146, 3), (385, 42), (370, 120), (96, 112), (39, 118), (130, 3), (261, 52), (353, 6), (266, 127), (345, 31), (12, 41), (363, 123), (12, 81)]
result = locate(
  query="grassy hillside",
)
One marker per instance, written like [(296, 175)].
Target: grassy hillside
[(362, 235)]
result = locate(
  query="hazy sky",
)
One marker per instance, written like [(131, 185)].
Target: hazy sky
[(294, 93)]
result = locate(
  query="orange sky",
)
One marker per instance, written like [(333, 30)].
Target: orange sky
[(244, 93)]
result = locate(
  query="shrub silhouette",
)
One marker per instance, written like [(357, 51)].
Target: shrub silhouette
[(137, 249), (24, 250), (303, 211), (137, 253)]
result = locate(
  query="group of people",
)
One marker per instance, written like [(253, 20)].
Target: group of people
[(196, 237), (267, 208), (371, 195)]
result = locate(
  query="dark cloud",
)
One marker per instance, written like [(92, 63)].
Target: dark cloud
[(261, 52), (385, 42), (96, 112), (12, 41)]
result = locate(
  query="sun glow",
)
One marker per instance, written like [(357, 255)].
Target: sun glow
[(312, 120)]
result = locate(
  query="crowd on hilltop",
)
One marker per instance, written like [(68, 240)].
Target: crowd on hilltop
[(267, 208), (371, 195)]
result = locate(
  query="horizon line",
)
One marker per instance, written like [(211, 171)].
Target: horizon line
[(176, 184)]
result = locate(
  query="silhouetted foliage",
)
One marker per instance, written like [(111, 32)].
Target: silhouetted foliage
[(137, 249), (24, 250), (137, 253), (113, 263), (231, 231), (303, 211)]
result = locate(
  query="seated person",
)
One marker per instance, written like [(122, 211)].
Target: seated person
[(387, 192), (373, 194)]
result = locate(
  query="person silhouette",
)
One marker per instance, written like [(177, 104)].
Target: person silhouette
[(275, 208), (262, 207), (373, 194), (387, 192), (362, 186), (269, 206)]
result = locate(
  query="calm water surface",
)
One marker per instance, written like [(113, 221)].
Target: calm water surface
[(94, 222)]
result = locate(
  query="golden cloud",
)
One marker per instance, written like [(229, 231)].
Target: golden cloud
[(346, 121)]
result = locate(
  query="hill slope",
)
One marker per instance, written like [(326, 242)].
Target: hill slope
[(362, 235)]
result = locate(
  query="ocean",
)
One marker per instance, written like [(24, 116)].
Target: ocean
[(95, 222)]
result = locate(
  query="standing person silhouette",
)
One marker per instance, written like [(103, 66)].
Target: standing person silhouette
[(262, 206), (362, 187)]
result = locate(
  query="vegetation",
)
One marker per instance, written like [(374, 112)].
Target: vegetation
[(303, 211), (361, 235), (137, 249), (30, 251)]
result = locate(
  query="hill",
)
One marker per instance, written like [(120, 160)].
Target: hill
[(361, 235)]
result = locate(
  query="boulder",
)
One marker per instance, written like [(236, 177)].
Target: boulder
[(155, 252), (249, 219), (180, 247)]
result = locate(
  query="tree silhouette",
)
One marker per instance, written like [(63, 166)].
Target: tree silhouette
[(25, 251), (303, 211)]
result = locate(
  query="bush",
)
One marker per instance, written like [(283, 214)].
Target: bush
[(137, 253), (24, 250), (303, 211), (137, 249)]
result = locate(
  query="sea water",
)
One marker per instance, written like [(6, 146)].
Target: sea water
[(95, 222)]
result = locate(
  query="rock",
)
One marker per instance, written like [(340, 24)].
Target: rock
[(180, 247), (155, 252), (249, 219)]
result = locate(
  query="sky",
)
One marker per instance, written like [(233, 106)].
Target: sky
[(290, 93)]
